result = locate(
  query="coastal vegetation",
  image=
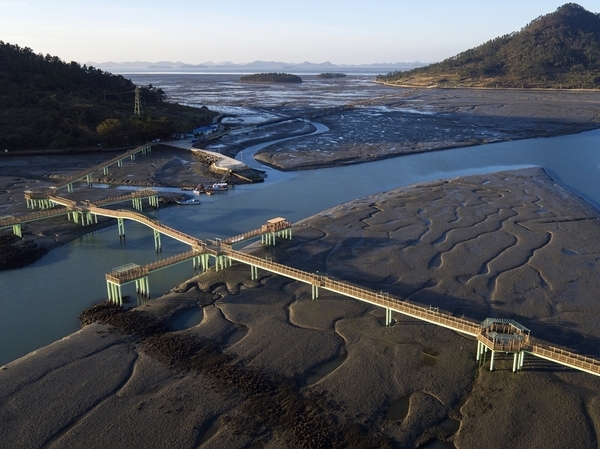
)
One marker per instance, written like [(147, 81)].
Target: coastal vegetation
[(46, 103), (557, 50), (271, 78), (331, 75)]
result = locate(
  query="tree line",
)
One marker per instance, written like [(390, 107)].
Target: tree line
[(557, 50), (48, 103)]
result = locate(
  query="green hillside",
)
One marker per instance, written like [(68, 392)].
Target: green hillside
[(557, 50), (46, 103)]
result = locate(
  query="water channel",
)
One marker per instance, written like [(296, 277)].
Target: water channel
[(40, 303)]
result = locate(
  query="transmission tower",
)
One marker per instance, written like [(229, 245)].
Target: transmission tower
[(138, 109)]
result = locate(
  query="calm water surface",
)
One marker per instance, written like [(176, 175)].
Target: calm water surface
[(40, 303)]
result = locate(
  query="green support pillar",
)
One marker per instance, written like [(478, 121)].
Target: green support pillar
[(88, 179), (219, 264), (105, 170), (142, 286), (515, 357), (492, 361), (388, 317), (120, 162), (114, 293), (17, 230), (315, 291), (133, 156), (268, 238), (201, 262), (253, 272), (69, 187), (121, 227), (521, 360), (157, 245)]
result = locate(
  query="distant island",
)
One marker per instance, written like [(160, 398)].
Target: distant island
[(251, 67), (271, 78), (331, 75), (557, 50)]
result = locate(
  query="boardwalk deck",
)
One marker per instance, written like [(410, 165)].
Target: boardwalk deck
[(222, 249)]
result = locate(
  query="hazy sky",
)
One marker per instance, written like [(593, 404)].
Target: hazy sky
[(339, 31)]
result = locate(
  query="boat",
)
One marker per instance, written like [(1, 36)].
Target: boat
[(218, 187), (188, 201)]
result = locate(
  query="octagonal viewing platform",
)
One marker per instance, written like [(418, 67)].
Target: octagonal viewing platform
[(503, 335)]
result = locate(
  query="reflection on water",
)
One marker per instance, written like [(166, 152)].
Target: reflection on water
[(437, 444), (398, 409), (186, 319), (237, 335), (325, 369)]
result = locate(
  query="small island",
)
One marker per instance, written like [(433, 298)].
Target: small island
[(271, 78), (331, 75)]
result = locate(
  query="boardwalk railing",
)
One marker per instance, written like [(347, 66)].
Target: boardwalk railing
[(118, 199), (242, 237), (273, 267), (122, 277), (100, 166), (63, 201), (432, 315), (567, 358), (362, 294), (39, 215), (151, 222), (384, 300)]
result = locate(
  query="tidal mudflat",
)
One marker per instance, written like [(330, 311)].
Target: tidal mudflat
[(407, 121), (268, 367)]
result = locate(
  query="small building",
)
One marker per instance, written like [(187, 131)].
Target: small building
[(275, 224), (203, 131)]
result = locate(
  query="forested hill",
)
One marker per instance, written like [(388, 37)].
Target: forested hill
[(557, 50), (48, 103)]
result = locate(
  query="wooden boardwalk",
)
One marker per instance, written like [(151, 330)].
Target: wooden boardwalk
[(223, 254), (86, 174), (427, 314)]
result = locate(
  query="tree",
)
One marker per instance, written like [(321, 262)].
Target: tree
[(110, 130)]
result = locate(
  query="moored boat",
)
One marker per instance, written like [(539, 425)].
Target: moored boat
[(189, 201), (219, 187)]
